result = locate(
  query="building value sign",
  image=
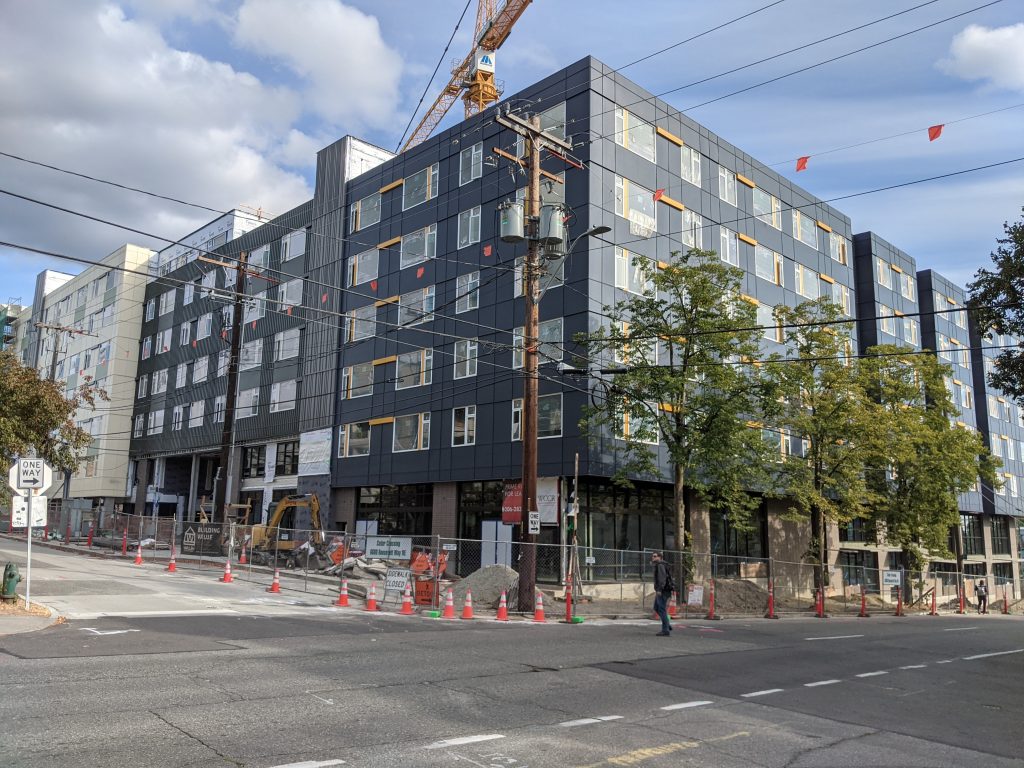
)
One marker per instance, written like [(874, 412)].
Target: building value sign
[(198, 539)]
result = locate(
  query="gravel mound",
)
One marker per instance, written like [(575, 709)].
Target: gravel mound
[(486, 585)]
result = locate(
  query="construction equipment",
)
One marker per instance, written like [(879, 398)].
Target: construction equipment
[(473, 77), (294, 524)]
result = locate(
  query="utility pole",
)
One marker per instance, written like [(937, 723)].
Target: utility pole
[(57, 331), (536, 140)]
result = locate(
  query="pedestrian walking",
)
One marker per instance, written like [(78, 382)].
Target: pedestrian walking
[(663, 588), (982, 592)]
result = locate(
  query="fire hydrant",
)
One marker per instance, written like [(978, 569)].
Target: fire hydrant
[(10, 583)]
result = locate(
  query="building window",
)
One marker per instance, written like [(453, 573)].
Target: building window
[(767, 208), (633, 272), (223, 361), (159, 382), (143, 385), (806, 282), (181, 377), (769, 325), (768, 265), (247, 403), (419, 187), (464, 426), (517, 419), (219, 406), (887, 321), (251, 355), (635, 203), (549, 415), (293, 245), (418, 246), (140, 423), (196, 412), (804, 229), (258, 257), (416, 307), (838, 247), (841, 297), (545, 280), (286, 344), (166, 302), (634, 134), (469, 227), (354, 439), (910, 331), (208, 282), (185, 334), (282, 396), (640, 426), (200, 369), (727, 185), (254, 461), (287, 459), (361, 323), (363, 267), (730, 247), (883, 273), (693, 229), (156, 422), (908, 286), (290, 293), (413, 369), (177, 417), (365, 212), (147, 347), (550, 336), (357, 381), (974, 536), (854, 531), (467, 292), (471, 163), (204, 326), (255, 307), (465, 358), (150, 309), (412, 433)]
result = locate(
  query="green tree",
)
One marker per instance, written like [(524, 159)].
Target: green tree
[(824, 418), (35, 414), (920, 461), (683, 393), (997, 302)]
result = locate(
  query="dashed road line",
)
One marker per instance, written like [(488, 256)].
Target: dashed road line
[(958, 629), (312, 764), (834, 637), (464, 740), (989, 655), (873, 674), (760, 693), (914, 666), (946, 661), (688, 704), (821, 682), (589, 721)]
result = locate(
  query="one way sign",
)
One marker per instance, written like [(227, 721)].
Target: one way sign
[(30, 475)]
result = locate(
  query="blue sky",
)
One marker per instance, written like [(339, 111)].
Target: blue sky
[(225, 103)]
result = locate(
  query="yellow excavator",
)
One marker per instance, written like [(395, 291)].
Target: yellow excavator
[(294, 523)]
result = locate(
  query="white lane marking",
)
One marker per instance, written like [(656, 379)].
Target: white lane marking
[(589, 721), (958, 629), (325, 701), (107, 632), (464, 740), (914, 666), (989, 655), (873, 674), (760, 693), (85, 616), (946, 661), (688, 704), (312, 764), (833, 637), (821, 682)]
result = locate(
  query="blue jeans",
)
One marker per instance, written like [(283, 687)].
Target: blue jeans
[(661, 608)]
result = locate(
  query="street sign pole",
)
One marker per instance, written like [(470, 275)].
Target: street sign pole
[(28, 558)]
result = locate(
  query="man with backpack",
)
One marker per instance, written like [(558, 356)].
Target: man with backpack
[(664, 585)]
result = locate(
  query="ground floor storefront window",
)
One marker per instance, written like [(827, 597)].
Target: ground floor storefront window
[(397, 509), (860, 568)]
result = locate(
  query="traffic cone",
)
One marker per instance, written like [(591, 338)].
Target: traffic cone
[(711, 604), (275, 585), (407, 601), (673, 609), (138, 555), (819, 604), (899, 601), (88, 542), (538, 610), (1006, 602), (771, 601), (934, 611), (467, 606), (502, 608), (960, 598), (449, 606), (863, 604), (241, 559), (226, 578), (371, 600), (343, 595), (172, 567)]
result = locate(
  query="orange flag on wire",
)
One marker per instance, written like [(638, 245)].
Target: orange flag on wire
[(801, 163), (934, 131)]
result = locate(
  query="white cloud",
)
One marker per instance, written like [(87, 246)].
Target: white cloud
[(995, 54), (352, 75)]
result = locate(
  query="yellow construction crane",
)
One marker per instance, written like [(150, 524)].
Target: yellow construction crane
[(473, 77)]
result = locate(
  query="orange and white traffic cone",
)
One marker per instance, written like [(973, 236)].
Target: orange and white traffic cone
[(449, 606), (343, 595), (673, 608), (538, 609), (467, 606), (407, 601), (226, 578), (172, 567), (275, 585), (241, 558), (502, 608), (371, 600), (138, 555)]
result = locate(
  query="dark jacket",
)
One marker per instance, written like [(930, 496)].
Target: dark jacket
[(663, 581)]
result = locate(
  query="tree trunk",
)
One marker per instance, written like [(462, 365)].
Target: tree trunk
[(682, 506), (818, 543)]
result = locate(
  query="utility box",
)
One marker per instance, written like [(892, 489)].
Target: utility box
[(512, 222), (552, 224)]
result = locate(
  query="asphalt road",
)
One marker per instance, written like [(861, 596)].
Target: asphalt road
[(260, 684)]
